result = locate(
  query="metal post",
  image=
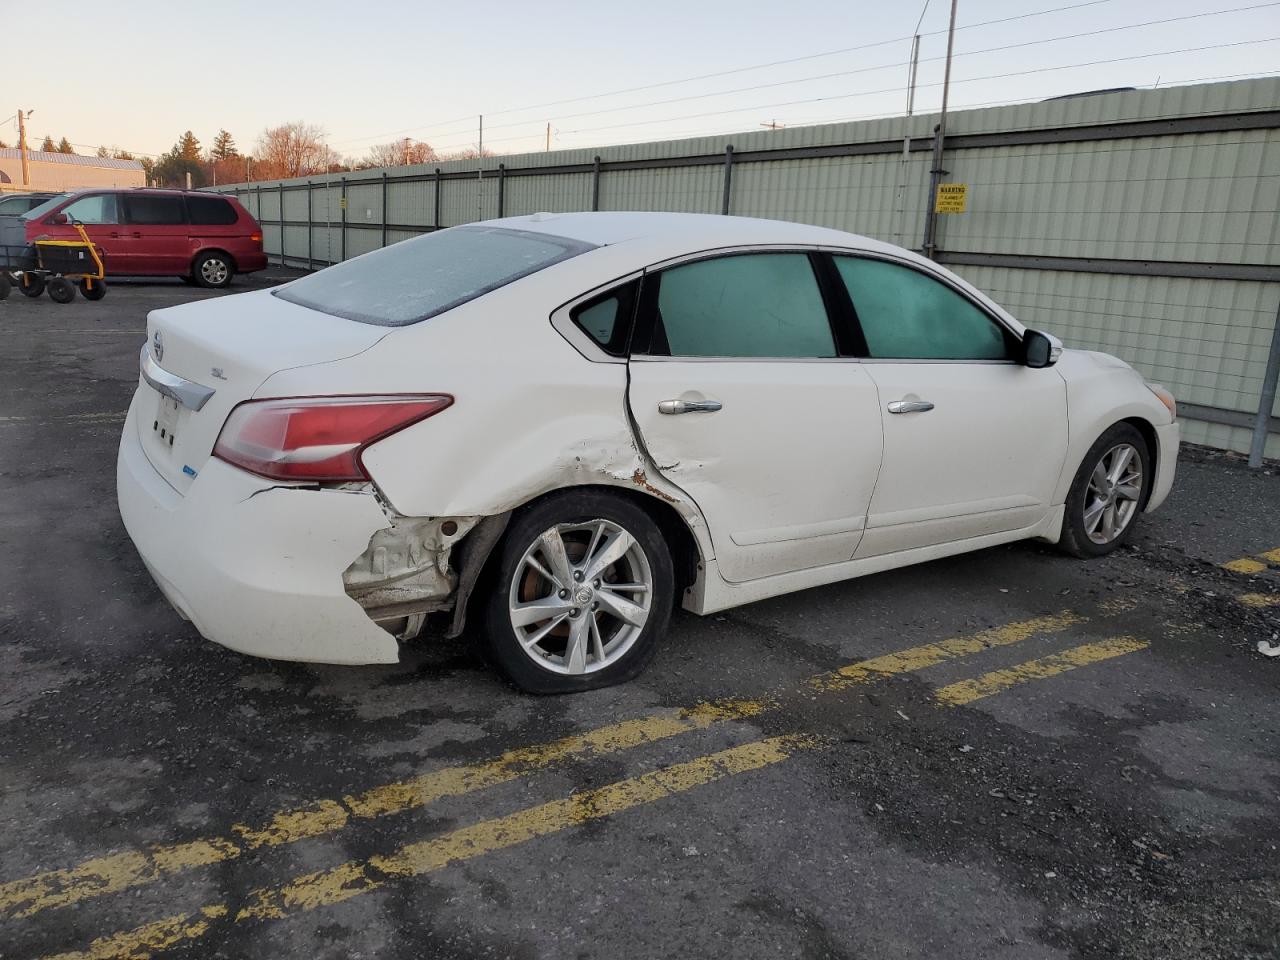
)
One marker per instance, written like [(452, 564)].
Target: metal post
[(502, 186), (437, 226), (281, 194), (311, 263), (595, 184), (384, 208), (911, 76), (728, 179), (343, 211), (929, 244), (1267, 402)]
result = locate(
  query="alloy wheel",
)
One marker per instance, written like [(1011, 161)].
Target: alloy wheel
[(1115, 488), (580, 596), (214, 271)]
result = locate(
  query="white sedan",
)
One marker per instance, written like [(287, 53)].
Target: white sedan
[(557, 426)]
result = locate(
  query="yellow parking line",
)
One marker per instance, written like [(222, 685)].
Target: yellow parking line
[(116, 872), (1259, 600), (358, 877), (917, 658), (1245, 565), (966, 691)]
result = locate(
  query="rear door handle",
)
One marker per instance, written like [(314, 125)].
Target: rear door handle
[(688, 406), (910, 406)]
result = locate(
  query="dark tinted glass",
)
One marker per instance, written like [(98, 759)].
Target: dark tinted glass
[(607, 319), (154, 209), (211, 210)]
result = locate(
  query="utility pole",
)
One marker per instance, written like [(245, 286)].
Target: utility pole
[(548, 136), (930, 244), (911, 77), (22, 146), (480, 173)]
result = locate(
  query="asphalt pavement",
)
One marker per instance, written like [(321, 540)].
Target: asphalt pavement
[(1009, 754)]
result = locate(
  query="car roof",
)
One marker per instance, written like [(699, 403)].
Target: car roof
[(687, 231)]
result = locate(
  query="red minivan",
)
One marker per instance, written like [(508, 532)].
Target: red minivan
[(205, 238)]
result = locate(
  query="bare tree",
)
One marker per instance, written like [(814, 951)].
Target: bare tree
[(292, 150), (398, 153)]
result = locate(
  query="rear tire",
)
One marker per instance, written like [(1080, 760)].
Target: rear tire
[(578, 631), (31, 284), (1108, 493), (213, 269), (96, 291), (61, 290)]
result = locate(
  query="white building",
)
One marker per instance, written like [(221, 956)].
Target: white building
[(67, 171)]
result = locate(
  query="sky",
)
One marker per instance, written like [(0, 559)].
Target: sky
[(135, 74)]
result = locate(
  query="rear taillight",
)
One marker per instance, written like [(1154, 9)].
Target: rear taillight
[(317, 438), (255, 238)]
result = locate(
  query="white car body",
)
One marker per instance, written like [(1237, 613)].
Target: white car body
[(800, 479)]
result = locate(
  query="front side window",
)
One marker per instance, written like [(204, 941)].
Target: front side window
[(155, 209), (420, 278), (96, 208), (760, 305), (906, 315)]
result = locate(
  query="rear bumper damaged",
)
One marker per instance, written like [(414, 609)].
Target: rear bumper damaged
[(289, 573)]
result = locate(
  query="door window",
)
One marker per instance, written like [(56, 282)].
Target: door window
[(155, 209), (906, 315), (96, 208), (750, 305), (211, 210)]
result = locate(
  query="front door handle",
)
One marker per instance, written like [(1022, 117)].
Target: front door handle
[(910, 406), (688, 406)]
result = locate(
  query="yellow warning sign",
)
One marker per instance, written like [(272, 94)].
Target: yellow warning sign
[(952, 198), (342, 201)]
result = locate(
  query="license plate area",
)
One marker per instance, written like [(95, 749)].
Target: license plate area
[(165, 423)]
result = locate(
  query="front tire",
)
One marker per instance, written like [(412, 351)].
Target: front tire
[(61, 290), (31, 285), (213, 269), (581, 594), (1108, 493)]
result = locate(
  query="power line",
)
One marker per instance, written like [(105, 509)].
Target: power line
[(725, 73), (863, 70), (865, 93)]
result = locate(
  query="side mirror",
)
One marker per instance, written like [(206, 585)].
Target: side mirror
[(1040, 350), (59, 219)]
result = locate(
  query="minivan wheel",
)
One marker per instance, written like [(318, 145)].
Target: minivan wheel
[(1108, 493), (581, 594), (213, 269)]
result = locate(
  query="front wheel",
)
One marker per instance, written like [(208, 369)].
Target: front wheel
[(61, 290), (213, 269), (93, 289), (582, 592), (1108, 493)]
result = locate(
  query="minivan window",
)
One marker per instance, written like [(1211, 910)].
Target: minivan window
[(154, 209), (95, 208), (420, 278), (46, 206), (750, 305), (210, 211)]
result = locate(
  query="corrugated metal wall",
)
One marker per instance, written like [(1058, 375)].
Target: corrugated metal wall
[(1177, 196)]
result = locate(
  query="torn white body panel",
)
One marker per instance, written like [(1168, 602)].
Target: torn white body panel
[(256, 567)]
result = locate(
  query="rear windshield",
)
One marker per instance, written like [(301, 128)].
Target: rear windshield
[(425, 276)]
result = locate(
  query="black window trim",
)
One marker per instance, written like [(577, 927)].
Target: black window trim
[(647, 304), (1013, 339), (562, 318)]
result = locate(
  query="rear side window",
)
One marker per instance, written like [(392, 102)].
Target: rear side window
[(155, 209), (420, 278), (752, 305), (97, 208), (212, 211), (906, 315), (606, 319)]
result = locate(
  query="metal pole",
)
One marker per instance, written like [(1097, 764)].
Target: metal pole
[(437, 198), (384, 208), (940, 134), (911, 77), (502, 187), (311, 264), (22, 148), (343, 211), (728, 179), (1267, 402), (480, 174), (595, 184), (281, 223)]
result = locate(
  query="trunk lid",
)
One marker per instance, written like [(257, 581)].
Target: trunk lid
[(230, 345)]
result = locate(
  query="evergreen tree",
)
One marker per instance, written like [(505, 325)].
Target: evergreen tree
[(47, 146), (224, 146), (64, 146), (187, 147)]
